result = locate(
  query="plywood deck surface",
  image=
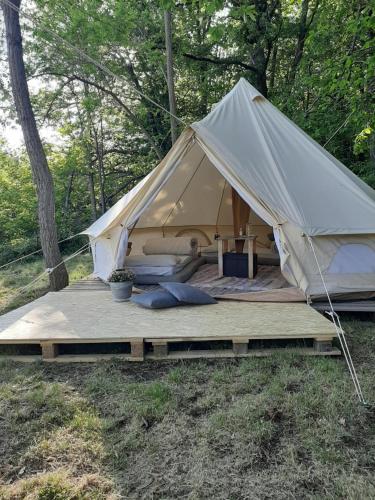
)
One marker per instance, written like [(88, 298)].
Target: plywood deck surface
[(84, 316)]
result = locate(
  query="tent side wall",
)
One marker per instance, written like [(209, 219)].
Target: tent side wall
[(347, 263)]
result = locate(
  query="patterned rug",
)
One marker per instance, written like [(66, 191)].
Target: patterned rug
[(206, 278)]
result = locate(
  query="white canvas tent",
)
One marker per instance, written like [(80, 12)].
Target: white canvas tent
[(291, 183)]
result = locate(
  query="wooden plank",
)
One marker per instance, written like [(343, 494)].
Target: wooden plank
[(350, 306), (322, 345), (244, 338), (252, 353), (250, 259), (91, 358), (160, 349), (241, 213), (240, 347), (137, 350), (175, 355), (220, 258), (49, 350)]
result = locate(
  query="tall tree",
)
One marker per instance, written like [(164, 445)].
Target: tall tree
[(170, 79), (41, 174)]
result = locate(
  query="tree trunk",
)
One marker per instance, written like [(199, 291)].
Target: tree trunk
[(41, 174), (170, 82), (68, 192), (99, 158), (260, 63), (273, 68), (90, 183), (301, 38)]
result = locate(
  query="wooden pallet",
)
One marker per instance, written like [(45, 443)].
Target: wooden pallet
[(177, 348)]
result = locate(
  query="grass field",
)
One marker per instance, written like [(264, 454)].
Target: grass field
[(274, 428), (20, 274)]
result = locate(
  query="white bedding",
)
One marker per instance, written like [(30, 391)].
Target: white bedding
[(140, 270)]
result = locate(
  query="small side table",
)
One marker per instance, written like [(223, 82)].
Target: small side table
[(222, 245)]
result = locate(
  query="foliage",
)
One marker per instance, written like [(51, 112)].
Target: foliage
[(313, 59), (18, 275), (121, 275)]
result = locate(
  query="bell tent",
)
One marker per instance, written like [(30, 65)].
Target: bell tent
[(294, 187)]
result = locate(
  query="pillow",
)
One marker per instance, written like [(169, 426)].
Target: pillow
[(160, 299), (152, 260), (188, 294), (210, 248), (171, 246)]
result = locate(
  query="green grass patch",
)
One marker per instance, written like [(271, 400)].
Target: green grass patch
[(18, 275), (280, 427)]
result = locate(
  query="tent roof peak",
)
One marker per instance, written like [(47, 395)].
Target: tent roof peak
[(250, 89)]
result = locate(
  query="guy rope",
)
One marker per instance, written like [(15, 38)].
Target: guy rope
[(340, 332)]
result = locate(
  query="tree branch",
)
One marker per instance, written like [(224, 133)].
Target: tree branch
[(124, 186), (121, 103), (228, 61)]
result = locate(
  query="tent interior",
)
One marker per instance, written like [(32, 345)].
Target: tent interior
[(198, 201), (321, 213)]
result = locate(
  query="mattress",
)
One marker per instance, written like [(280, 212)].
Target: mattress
[(142, 270), (180, 276)]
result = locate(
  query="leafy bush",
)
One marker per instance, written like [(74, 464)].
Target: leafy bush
[(121, 275)]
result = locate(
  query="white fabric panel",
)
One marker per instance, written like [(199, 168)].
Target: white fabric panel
[(236, 182), (121, 249), (160, 210), (193, 196), (129, 208), (103, 255), (288, 171), (106, 220), (170, 246), (353, 258)]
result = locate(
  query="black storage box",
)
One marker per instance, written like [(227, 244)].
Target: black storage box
[(236, 264)]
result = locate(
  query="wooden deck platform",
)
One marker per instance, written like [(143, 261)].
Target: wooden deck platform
[(59, 323)]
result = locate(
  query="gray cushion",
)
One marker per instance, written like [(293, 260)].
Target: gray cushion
[(152, 260), (180, 276), (188, 294), (160, 299)]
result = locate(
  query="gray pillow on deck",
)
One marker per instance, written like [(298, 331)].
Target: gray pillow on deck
[(188, 294), (159, 299)]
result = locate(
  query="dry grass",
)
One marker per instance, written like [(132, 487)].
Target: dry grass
[(18, 275), (281, 427)]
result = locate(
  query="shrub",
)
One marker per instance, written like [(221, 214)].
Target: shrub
[(121, 275)]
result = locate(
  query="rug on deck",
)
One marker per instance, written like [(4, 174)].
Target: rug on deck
[(206, 278)]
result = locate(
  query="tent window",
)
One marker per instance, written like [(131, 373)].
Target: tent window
[(353, 258)]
